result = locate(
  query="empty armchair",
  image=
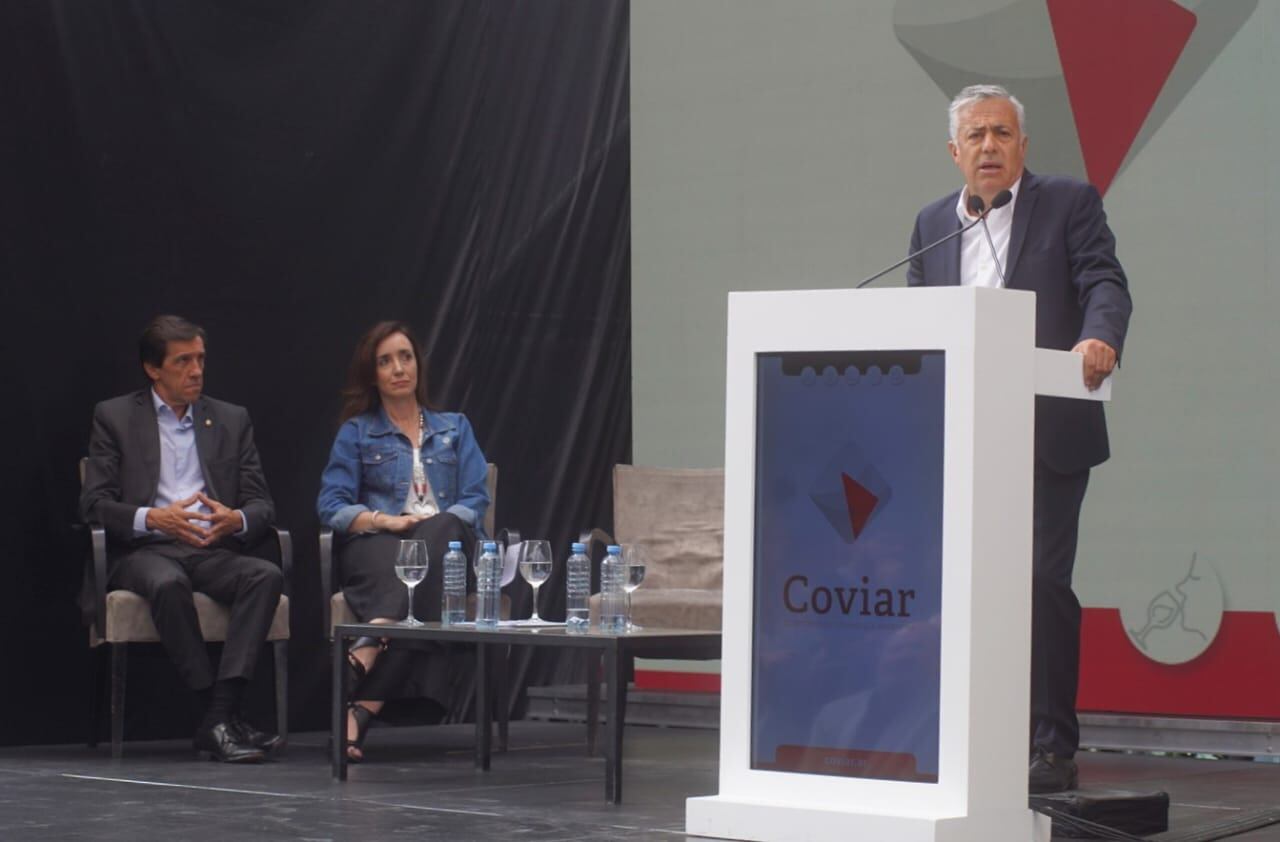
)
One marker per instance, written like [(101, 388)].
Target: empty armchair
[(677, 515)]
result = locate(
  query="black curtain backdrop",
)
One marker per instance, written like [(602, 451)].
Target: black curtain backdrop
[(285, 174)]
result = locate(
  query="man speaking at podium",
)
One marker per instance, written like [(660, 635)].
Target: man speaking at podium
[(1047, 234)]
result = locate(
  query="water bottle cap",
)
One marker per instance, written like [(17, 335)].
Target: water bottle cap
[(614, 549), (455, 545), (578, 548), (490, 546)]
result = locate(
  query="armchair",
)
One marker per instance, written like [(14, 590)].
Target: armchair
[(119, 618), (677, 514)]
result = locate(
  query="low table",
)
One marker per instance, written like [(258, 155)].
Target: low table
[(616, 648)]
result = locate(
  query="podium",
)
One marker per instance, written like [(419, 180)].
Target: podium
[(877, 582)]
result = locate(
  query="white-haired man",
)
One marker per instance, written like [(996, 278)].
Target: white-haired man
[(1052, 238)]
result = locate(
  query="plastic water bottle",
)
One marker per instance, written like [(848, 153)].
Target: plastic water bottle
[(613, 597), (453, 605), (488, 585), (577, 590)]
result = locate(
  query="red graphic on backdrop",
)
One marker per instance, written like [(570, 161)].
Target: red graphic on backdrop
[(1237, 676), (1116, 58), (860, 501)]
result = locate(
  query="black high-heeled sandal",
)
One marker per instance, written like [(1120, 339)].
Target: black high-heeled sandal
[(356, 671), (363, 717)]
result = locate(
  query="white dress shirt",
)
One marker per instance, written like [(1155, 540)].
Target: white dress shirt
[(180, 473), (977, 269)]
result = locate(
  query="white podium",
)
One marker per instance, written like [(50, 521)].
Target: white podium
[(964, 358)]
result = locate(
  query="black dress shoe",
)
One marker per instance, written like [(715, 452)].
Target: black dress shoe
[(1051, 773), (261, 740), (223, 742)]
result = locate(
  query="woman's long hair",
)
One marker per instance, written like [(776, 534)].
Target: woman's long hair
[(360, 395)]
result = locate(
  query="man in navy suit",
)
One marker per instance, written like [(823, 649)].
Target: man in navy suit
[(1053, 239), (175, 480)]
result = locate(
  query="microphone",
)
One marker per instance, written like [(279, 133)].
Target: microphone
[(1001, 199), (974, 205)]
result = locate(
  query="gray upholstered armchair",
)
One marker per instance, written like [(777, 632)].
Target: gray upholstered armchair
[(677, 515), (119, 618)]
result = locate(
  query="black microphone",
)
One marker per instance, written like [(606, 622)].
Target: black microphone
[(975, 205), (1001, 199)]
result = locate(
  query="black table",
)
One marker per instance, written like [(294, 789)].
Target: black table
[(616, 649)]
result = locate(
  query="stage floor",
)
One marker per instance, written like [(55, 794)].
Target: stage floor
[(420, 783)]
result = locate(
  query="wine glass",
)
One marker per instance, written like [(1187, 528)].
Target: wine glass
[(634, 560), (535, 567), (411, 568)]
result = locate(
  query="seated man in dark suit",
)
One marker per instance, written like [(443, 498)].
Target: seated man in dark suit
[(175, 480)]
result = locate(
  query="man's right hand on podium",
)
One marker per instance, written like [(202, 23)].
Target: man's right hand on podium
[(1099, 361)]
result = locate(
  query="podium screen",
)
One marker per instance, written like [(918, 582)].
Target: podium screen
[(848, 563)]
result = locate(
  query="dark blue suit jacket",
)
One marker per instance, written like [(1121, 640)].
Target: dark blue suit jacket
[(1061, 249)]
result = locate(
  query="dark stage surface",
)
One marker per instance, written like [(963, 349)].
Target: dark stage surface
[(420, 784)]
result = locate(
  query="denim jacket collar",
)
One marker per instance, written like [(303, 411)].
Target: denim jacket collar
[(435, 422), (380, 424)]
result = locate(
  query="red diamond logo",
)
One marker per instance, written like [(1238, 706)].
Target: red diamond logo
[(860, 501)]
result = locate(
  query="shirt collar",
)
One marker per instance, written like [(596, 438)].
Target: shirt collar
[(162, 408), (963, 212)]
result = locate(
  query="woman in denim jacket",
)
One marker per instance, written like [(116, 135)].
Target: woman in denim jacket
[(397, 470)]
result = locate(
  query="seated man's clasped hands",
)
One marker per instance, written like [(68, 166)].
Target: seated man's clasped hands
[(197, 520)]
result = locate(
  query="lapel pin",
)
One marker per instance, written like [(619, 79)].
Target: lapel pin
[(208, 422)]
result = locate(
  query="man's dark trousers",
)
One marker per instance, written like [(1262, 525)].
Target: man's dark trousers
[(167, 572), (1055, 610)]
